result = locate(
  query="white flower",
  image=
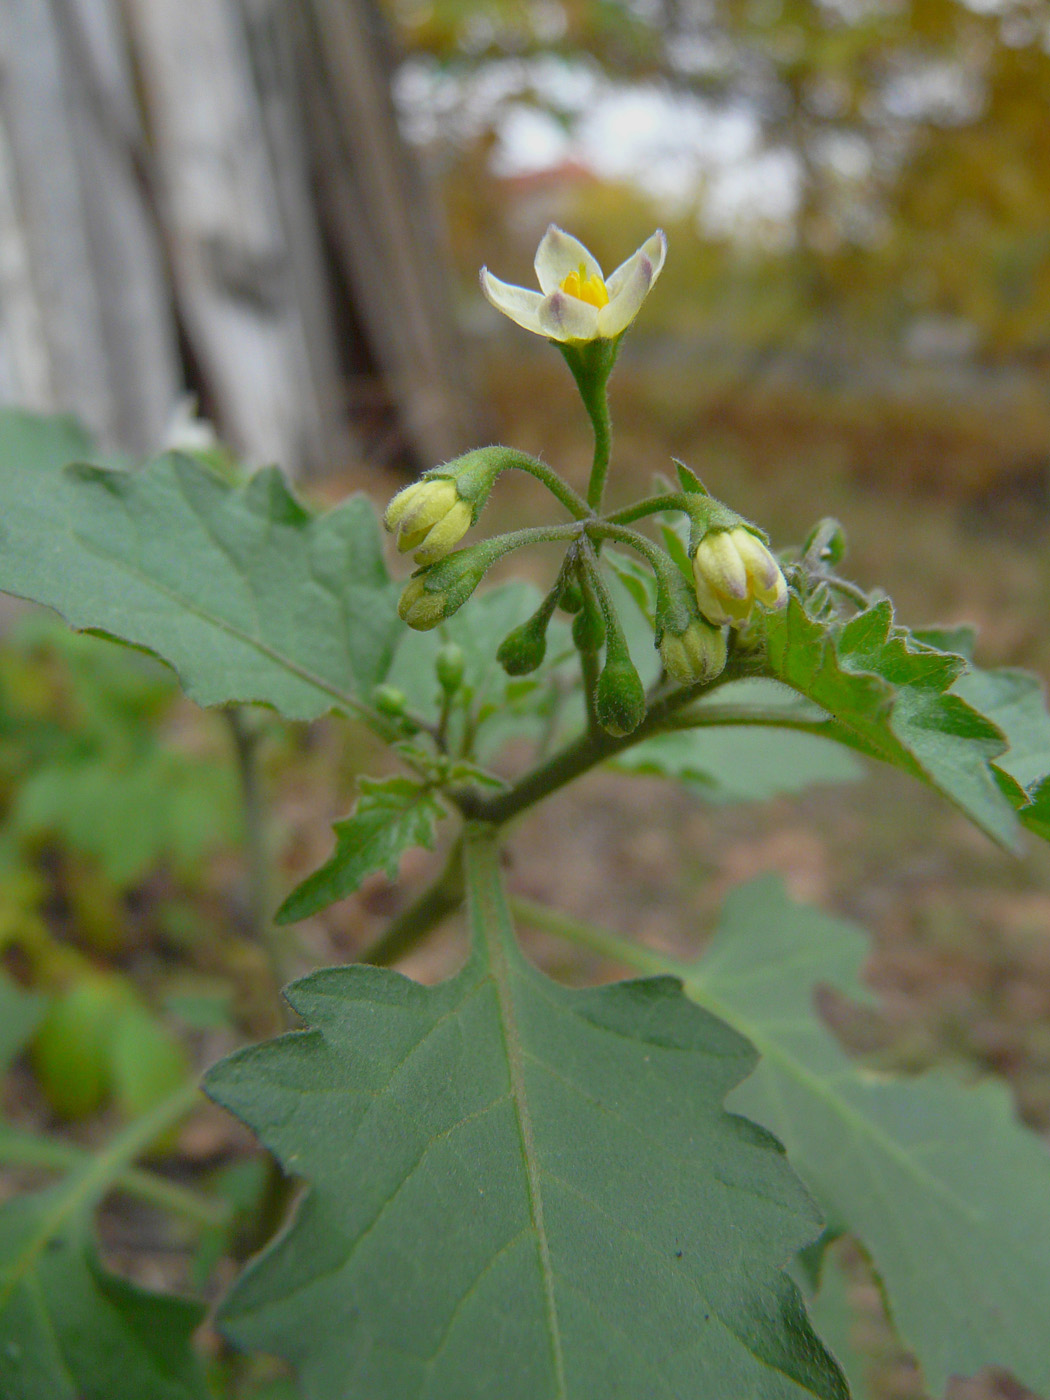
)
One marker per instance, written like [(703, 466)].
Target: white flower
[(576, 301), (733, 570)]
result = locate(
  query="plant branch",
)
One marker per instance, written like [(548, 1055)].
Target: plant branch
[(599, 940), (659, 560), (246, 739), (570, 499), (582, 754), (20, 1148), (652, 505), (440, 899)]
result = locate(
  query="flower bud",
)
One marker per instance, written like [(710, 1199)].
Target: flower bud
[(523, 650), (619, 699), (697, 654), (418, 607), (449, 666), (733, 570), (389, 700), (588, 628), (826, 543), (440, 590), (429, 517), (571, 600)]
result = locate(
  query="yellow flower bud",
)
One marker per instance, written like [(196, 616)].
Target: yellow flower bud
[(430, 517), (733, 570), (420, 609), (697, 654)]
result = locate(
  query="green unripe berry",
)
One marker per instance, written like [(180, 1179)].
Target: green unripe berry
[(619, 700), (449, 665)]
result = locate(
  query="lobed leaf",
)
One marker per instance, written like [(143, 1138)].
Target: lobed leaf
[(71, 1330), (391, 816), (948, 1193), (243, 591), (518, 1190), (891, 695), (1016, 702)]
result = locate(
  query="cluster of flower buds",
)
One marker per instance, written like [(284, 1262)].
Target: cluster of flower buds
[(729, 571)]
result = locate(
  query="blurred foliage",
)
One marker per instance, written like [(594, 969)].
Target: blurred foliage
[(98, 801), (917, 134)]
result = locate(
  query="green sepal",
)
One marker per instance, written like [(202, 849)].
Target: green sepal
[(689, 480), (706, 515), (591, 363), (825, 545), (474, 474)]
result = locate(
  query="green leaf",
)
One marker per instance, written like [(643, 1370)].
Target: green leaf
[(888, 695), (519, 1190), (71, 1330), (726, 763), (948, 1194), (835, 1318), (1015, 701), (33, 443), (20, 1014), (391, 815), (244, 592)]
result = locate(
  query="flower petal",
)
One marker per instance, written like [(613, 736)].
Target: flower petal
[(563, 317), (636, 277), (446, 534), (521, 305), (723, 566), (762, 569), (654, 248), (558, 255)]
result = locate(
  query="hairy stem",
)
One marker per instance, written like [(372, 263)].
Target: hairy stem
[(576, 758), (652, 505), (561, 490), (597, 405), (598, 940), (436, 903)]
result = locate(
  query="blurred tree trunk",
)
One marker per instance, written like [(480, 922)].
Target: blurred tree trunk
[(211, 195)]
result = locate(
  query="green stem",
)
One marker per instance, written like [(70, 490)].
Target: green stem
[(436, 903), (84, 1188), (535, 534), (598, 940), (652, 505), (597, 406), (589, 670), (584, 753), (246, 740), (570, 499), (24, 1149), (652, 553)]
